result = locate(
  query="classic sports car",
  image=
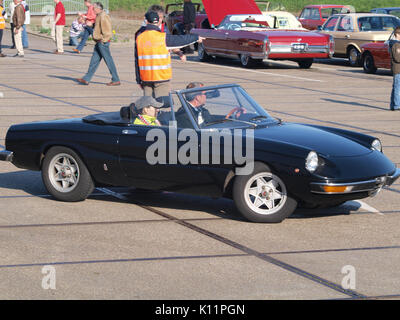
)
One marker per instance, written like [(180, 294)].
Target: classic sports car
[(352, 30), (250, 38), (287, 163), (376, 55)]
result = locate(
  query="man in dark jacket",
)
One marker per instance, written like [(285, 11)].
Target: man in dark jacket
[(394, 48), (189, 19), (157, 86)]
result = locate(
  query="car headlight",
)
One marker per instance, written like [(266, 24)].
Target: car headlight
[(312, 161), (376, 145)]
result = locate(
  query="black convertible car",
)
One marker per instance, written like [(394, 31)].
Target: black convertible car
[(287, 164)]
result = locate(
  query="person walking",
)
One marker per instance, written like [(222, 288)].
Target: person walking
[(2, 25), (102, 34), (59, 23), (90, 19), (152, 57), (394, 48), (18, 20)]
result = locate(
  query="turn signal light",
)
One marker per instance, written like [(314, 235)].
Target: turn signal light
[(333, 189)]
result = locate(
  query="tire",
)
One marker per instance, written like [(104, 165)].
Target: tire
[(354, 57), (65, 175), (305, 64), (202, 54), (369, 63), (247, 61), (262, 196)]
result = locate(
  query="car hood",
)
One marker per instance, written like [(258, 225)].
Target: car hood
[(323, 142), (217, 10)]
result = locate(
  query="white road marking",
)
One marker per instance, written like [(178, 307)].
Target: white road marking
[(260, 72), (368, 208)]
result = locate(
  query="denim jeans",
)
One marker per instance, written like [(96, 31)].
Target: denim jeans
[(86, 33), (25, 42), (101, 51), (1, 37), (395, 96), (73, 41)]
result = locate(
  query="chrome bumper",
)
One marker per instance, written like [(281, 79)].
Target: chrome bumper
[(6, 155), (371, 186)]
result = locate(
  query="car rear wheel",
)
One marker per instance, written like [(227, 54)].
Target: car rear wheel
[(248, 61), (65, 175), (354, 57), (202, 54), (369, 63), (305, 64), (262, 196)]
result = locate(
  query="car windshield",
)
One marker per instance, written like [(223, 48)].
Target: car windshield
[(223, 107), (240, 22)]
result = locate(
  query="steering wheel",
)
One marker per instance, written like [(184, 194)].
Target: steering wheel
[(235, 113), (233, 26)]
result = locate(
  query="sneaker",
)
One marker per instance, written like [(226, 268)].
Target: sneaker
[(2, 55), (76, 50), (18, 55)]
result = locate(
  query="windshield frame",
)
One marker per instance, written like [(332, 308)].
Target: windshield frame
[(236, 88)]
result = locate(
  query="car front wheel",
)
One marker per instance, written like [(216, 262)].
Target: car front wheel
[(65, 175), (369, 64), (202, 54), (262, 196)]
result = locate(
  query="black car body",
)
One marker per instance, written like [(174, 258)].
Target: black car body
[(292, 163)]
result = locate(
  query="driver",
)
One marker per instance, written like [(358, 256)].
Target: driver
[(196, 102)]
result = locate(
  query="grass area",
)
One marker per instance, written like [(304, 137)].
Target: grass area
[(295, 6)]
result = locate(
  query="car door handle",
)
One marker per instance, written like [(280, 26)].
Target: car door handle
[(129, 132)]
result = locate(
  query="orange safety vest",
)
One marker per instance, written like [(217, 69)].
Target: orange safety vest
[(2, 20), (154, 59)]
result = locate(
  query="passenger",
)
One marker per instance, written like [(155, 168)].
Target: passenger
[(146, 111)]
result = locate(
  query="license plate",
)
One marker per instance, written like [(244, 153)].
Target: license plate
[(299, 47)]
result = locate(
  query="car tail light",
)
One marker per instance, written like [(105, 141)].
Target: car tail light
[(331, 46)]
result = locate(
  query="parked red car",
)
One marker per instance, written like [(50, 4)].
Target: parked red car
[(313, 16), (376, 55), (249, 37)]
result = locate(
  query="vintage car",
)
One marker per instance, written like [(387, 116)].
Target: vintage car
[(351, 31), (282, 20), (250, 38), (267, 166), (395, 11), (313, 16), (376, 55), (174, 17)]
